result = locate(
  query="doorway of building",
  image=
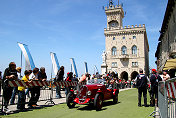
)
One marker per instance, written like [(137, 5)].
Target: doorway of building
[(133, 75), (124, 75)]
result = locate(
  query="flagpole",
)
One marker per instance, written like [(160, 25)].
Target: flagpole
[(51, 71), (51, 95), (21, 62)]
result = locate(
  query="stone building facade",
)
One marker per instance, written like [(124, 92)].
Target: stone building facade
[(167, 41), (126, 48)]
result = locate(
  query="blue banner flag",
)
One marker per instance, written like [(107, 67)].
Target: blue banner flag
[(86, 68), (55, 63), (74, 67), (29, 65)]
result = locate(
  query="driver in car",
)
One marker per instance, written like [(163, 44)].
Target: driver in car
[(109, 83)]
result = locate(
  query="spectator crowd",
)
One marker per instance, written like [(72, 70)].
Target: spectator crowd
[(141, 82)]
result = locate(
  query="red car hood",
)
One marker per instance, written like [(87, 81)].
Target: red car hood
[(83, 98), (94, 86)]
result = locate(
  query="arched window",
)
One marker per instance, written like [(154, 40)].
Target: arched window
[(134, 37), (124, 50), (134, 49), (114, 51)]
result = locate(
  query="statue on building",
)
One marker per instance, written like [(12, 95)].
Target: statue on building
[(104, 56), (110, 3), (104, 65)]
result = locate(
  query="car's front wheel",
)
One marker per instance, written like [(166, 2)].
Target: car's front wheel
[(98, 102), (69, 100)]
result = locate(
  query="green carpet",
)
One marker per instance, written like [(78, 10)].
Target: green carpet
[(126, 108)]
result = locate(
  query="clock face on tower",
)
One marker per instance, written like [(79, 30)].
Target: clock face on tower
[(113, 24)]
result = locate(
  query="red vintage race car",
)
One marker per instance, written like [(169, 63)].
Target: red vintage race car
[(95, 91)]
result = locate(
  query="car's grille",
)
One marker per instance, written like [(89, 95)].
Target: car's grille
[(82, 93)]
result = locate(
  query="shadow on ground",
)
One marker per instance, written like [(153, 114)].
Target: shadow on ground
[(26, 110), (91, 107)]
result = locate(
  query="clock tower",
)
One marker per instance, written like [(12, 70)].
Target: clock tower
[(115, 15), (126, 47)]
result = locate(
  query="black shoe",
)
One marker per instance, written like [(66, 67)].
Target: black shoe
[(22, 109), (152, 105), (146, 105), (139, 106)]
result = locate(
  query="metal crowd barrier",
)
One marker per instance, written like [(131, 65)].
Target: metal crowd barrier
[(47, 90), (45, 94), (167, 98)]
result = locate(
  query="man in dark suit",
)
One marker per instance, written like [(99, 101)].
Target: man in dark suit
[(141, 83)]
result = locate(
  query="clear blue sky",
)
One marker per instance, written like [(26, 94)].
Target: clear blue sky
[(70, 28)]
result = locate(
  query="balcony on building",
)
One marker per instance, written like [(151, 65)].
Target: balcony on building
[(124, 56)]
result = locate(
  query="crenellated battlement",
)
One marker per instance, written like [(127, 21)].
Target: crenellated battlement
[(126, 27), (113, 7), (134, 26)]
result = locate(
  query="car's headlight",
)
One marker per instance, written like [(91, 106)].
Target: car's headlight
[(75, 92), (89, 93)]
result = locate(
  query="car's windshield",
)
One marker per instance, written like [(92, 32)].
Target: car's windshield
[(96, 81)]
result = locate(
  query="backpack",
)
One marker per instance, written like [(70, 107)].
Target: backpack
[(156, 82), (138, 81)]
